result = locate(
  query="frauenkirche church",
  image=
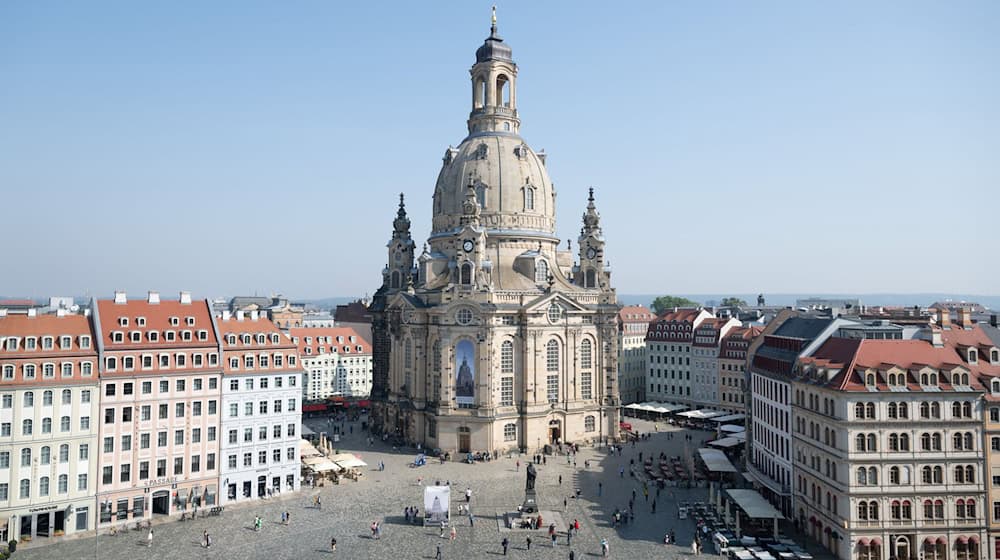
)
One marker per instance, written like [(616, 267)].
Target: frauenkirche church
[(492, 338)]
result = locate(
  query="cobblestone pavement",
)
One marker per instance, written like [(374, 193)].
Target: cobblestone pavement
[(349, 509)]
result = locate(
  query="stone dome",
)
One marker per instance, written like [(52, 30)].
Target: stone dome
[(515, 193)]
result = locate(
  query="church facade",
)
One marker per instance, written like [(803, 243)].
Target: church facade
[(492, 338)]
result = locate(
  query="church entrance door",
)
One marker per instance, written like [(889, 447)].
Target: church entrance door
[(555, 432), (464, 440)]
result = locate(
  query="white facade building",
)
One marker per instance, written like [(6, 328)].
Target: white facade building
[(261, 409), (337, 362), (633, 321), (668, 348)]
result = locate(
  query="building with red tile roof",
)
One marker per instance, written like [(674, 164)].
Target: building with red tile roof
[(705, 349), (668, 346), (732, 367), (337, 362), (48, 425), (888, 436), (633, 321), (160, 393), (261, 408)]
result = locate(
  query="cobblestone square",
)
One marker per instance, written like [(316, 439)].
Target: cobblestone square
[(497, 486)]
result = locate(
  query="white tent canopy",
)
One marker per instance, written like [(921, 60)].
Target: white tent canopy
[(307, 449), (307, 431), (348, 461), (732, 428), (753, 504), (701, 414), (716, 461), (729, 418), (725, 442)]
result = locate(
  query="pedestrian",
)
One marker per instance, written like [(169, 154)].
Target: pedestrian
[(472, 521), (560, 479), (454, 533), (149, 538), (333, 545), (528, 542), (441, 536), (517, 466), (600, 488), (437, 555), (604, 547), (374, 525), (576, 525), (505, 543), (694, 547), (468, 494), (552, 534), (378, 530), (572, 555), (621, 472), (204, 539), (569, 537), (543, 460), (565, 503)]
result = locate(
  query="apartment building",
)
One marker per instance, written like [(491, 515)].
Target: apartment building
[(633, 321), (48, 425), (337, 361), (668, 347), (732, 368), (159, 407), (705, 367), (261, 412)]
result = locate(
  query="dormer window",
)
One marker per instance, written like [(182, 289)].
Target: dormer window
[(47, 342), (84, 342), (202, 334), (995, 385), (135, 336), (170, 336), (973, 355), (186, 335), (340, 340), (153, 336), (123, 321), (140, 321), (30, 343), (117, 336), (261, 339), (541, 271), (870, 380), (174, 321), (65, 342), (994, 356), (189, 321), (275, 339), (230, 339), (245, 338)]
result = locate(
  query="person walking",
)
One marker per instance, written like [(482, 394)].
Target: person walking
[(600, 488), (694, 546), (149, 538), (654, 505), (569, 537), (572, 555), (333, 545), (527, 541), (505, 543), (437, 555), (604, 546), (206, 541), (560, 480), (441, 536), (552, 534), (453, 534), (468, 494), (517, 466)]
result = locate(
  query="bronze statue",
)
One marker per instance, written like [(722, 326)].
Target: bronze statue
[(530, 483)]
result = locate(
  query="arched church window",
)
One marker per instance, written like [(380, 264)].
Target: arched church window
[(503, 91), (394, 279), (591, 280), (541, 271), (481, 194), (529, 197), (507, 357), (436, 358), (479, 92), (481, 151), (586, 354), (466, 274), (552, 355)]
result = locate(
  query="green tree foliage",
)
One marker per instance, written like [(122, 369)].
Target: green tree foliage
[(663, 303), (733, 302)]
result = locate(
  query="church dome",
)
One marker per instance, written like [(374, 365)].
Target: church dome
[(494, 49), (512, 186)]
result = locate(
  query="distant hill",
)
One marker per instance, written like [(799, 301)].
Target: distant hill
[(923, 300)]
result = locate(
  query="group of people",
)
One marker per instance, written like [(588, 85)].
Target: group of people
[(411, 514), (376, 529)]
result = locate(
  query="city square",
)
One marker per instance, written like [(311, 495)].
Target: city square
[(348, 509)]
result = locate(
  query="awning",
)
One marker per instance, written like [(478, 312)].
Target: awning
[(732, 428), (812, 519), (701, 414), (974, 539), (323, 465), (876, 542), (364, 404), (716, 461), (753, 504), (863, 542), (941, 540), (929, 540), (726, 442), (307, 431), (962, 540), (729, 418)]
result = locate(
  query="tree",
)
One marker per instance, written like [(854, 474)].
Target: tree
[(733, 302), (663, 303)]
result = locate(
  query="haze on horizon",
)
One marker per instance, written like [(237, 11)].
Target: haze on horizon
[(252, 147)]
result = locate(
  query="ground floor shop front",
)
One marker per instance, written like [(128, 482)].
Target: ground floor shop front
[(47, 521), (260, 483), (163, 498)]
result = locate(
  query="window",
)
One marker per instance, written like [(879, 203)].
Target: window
[(145, 412), (144, 441), (507, 392), (109, 444), (25, 491), (542, 272), (63, 484), (161, 412), (126, 443), (552, 388), (164, 386), (4, 459), (26, 457), (179, 410), (506, 357), (161, 468), (144, 470), (46, 425), (81, 482), (179, 465), (125, 474), (589, 424), (552, 356), (26, 428), (585, 354), (178, 437), (291, 431), (67, 396), (29, 399), (161, 439), (585, 385), (510, 432), (529, 198), (64, 453)]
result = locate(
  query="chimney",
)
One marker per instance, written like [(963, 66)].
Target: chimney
[(186, 298), (944, 318), (226, 314), (32, 312), (936, 339), (254, 314), (239, 314), (965, 317), (120, 297), (154, 297)]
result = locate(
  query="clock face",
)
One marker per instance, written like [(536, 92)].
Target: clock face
[(591, 252), (468, 245)]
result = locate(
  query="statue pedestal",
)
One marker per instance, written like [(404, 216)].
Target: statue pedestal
[(529, 505)]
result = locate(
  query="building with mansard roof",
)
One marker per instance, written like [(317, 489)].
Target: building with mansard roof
[(493, 338)]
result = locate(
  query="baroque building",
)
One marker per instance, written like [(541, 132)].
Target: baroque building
[(493, 338)]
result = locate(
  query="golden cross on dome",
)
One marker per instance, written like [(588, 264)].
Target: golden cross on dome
[(494, 19)]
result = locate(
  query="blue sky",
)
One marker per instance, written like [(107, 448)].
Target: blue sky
[(736, 147)]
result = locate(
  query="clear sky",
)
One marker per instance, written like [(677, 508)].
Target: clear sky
[(239, 147)]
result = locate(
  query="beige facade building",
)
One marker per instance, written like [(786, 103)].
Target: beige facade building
[(337, 362), (493, 338), (732, 368), (159, 416), (633, 320), (48, 425)]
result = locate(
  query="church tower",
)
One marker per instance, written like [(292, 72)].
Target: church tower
[(496, 340)]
